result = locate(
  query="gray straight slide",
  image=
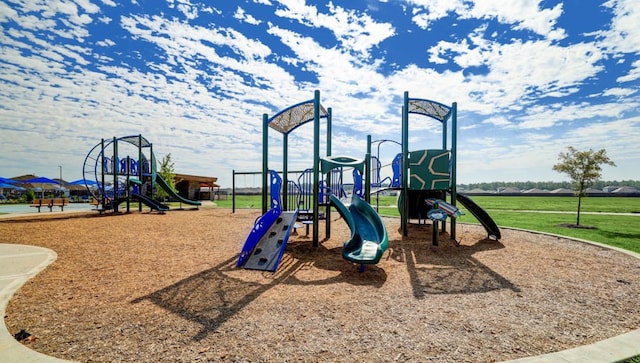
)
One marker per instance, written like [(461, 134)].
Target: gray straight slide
[(268, 251)]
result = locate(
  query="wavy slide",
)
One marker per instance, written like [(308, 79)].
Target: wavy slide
[(165, 186), (369, 239), (480, 214)]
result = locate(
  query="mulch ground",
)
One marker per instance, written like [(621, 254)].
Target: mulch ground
[(145, 287)]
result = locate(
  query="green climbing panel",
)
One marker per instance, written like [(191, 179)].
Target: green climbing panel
[(429, 170)]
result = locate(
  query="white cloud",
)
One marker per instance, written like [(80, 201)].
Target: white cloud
[(634, 73), (619, 92), (524, 14), (427, 11), (240, 14), (518, 72), (623, 36), (198, 88), (498, 121), (356, 32), (546, 116)]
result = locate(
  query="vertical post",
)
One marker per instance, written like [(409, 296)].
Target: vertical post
[(102, 179), (127, 185), (233, 191), (116, 165), (140, 177), (285, 172), (367, 171), (152, 169), (265, 160), (444, 134), (329, 152), (454, 161), (404, 214), (316, 162)]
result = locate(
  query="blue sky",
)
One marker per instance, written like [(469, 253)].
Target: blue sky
[(194, 77)]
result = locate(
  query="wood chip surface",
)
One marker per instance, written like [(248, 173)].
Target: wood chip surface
[(146, 287)]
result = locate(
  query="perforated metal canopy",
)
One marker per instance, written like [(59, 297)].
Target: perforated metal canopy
[(429, 108), (292, 117), (135, 140)]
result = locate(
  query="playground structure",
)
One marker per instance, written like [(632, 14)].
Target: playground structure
[(428, 174), (424, 178), (319, 187), (112, 178)]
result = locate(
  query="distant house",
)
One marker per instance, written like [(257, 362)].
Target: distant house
[(626, 191), (477, 191), (196, 187), (562, 191), (536, 191), (508, 190)]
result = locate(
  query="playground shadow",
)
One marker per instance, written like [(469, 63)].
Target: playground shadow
[(330, 259), (214, 296), (448, 268)]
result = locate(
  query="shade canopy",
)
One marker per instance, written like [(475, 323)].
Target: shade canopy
[(8, 181), (40, 180), (10, 186)]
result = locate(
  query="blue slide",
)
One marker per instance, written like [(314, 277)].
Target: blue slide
[(369, 239), (265, 244), (267, 240)]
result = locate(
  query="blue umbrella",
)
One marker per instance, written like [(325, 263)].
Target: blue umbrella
[(4, 185), (8, 181), (83, 182), (40, 181)]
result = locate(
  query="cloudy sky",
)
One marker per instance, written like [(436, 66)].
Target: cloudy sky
[(194, 78)]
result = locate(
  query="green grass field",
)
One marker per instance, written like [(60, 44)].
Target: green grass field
[(544, 214)]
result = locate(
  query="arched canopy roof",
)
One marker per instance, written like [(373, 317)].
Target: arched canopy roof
[(135, 140), (331, 162), (429, 108), (290, 118)]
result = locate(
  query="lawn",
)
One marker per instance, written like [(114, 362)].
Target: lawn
[(544, 214)]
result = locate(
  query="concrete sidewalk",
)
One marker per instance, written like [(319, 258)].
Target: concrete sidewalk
[(18, 264)]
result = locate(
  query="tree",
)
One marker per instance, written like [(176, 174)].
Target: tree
[(583, 167), (167, 173)]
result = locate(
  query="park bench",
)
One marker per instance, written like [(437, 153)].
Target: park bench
[(50, 203)]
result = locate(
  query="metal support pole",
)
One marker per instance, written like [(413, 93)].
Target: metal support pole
[(265, 160), (140, 177), (316, 166), (233, 191), (367, 172), (329, 152), (454, 161), (115, 175), (285, 172), (404, 220)]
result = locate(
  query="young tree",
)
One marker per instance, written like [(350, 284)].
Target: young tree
[(167, 173), (583, 167)]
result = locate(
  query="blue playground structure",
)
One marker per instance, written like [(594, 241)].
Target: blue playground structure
[(424, 178), (122, 170), (268, 238), (319, 187)]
